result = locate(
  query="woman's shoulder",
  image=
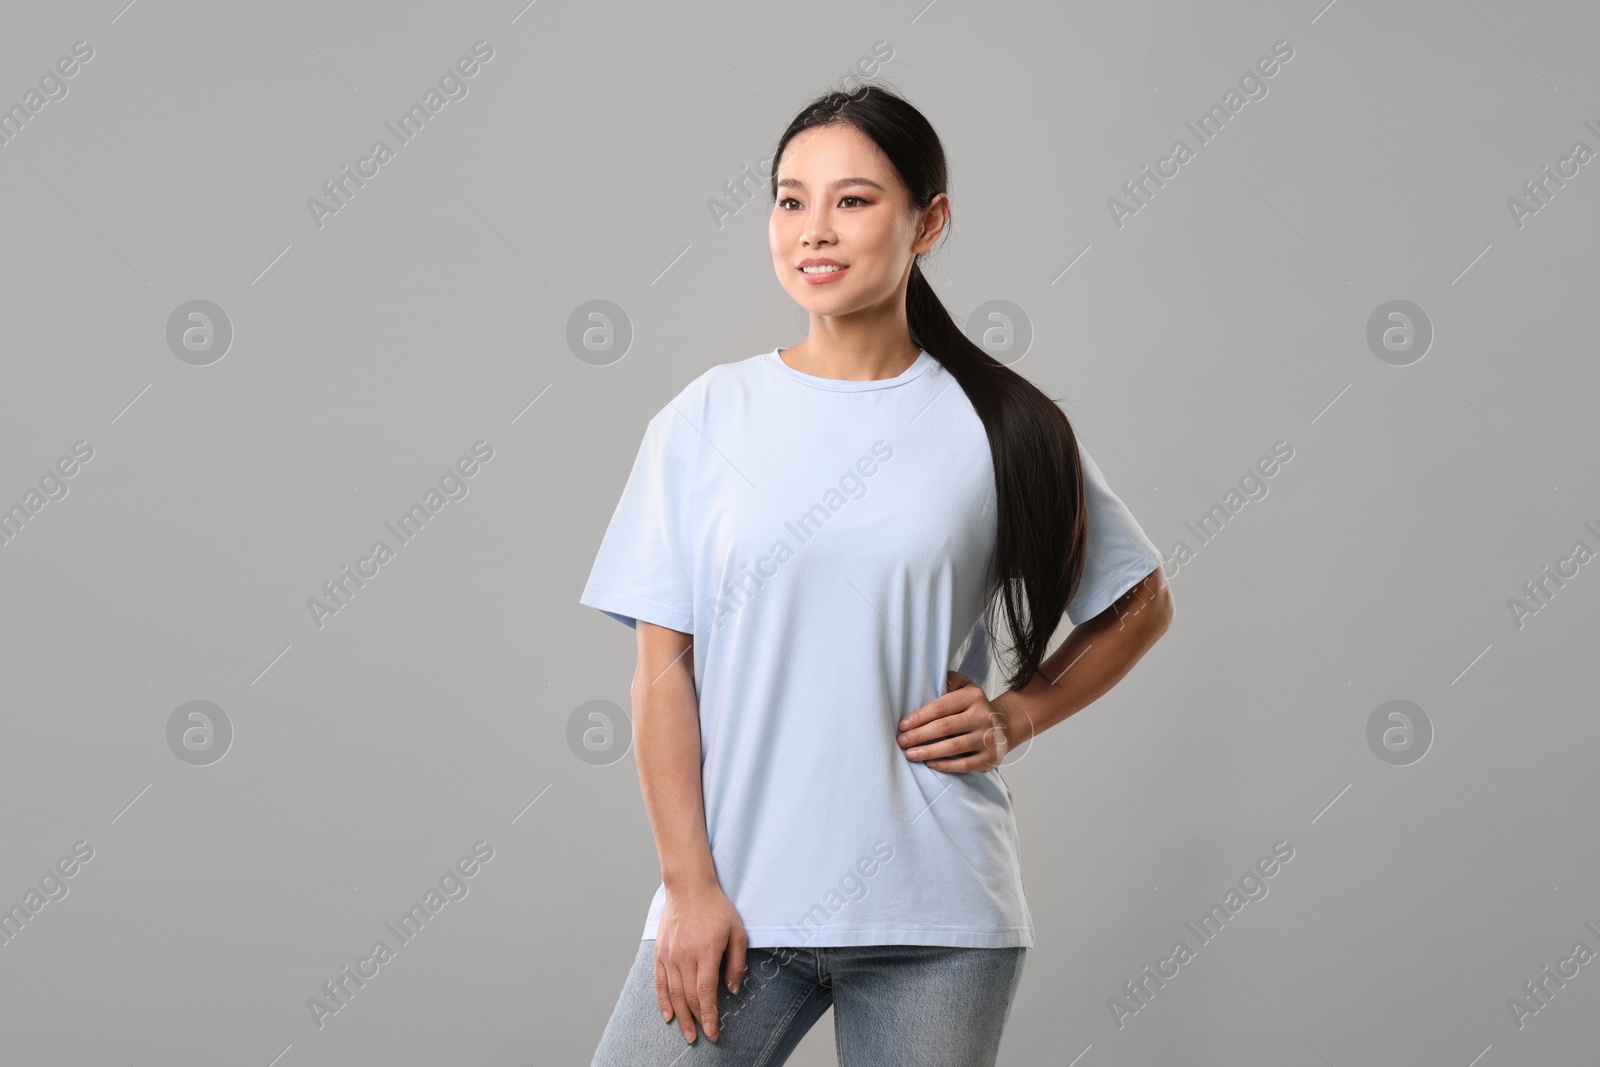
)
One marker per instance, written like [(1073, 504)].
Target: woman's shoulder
[(730, 376), (718, 388)]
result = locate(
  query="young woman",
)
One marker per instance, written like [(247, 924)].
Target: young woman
[(809, 541)]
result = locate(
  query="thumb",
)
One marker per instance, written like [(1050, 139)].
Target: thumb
[(957, 680)]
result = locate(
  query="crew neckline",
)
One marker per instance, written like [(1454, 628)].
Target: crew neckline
[(845, 385)]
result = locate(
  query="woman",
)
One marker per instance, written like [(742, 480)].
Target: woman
[(808, 541)]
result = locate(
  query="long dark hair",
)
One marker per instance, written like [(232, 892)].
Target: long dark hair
[(1040, 522)]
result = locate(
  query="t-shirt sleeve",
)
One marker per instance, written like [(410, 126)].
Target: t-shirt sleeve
[(643, 569), (1118, 554)]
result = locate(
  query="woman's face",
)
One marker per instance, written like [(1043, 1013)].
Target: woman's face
[(839, 200)]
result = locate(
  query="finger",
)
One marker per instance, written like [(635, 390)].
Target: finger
[(734, 975), (662, 1000), (706, 988), (932, 730), (954, 702), (680, 1003), (937, 707), (964, 721), (961, 745), (691, 997), (960, 764)]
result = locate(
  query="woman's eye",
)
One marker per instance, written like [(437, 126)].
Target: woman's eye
[(786, 201)]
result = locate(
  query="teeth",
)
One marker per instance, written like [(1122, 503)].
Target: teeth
[(821, 270)]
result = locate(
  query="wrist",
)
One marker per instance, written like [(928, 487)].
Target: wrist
[(692, 883), (1014, 718)]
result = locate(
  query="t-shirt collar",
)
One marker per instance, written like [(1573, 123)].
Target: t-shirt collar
[(844, 385)]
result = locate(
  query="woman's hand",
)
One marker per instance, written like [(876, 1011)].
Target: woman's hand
[(696, 927), (960, 731)]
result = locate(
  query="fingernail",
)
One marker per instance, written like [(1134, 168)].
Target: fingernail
[(665, 1014)]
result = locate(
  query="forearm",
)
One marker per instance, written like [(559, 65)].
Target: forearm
[(666, 721), (1095, 656)]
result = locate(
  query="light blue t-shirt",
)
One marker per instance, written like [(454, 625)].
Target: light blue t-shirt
[(827, 544)]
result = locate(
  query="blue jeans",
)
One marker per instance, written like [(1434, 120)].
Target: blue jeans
[(894, 1006)]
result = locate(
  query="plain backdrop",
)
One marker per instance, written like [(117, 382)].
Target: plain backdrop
[(604, 153)]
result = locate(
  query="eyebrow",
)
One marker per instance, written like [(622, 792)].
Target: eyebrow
[(795, 183)]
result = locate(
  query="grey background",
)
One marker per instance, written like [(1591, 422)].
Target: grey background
[(433, 311)]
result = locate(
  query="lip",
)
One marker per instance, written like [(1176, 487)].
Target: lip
[(821, 279)]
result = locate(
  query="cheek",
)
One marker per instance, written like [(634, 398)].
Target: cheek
[(875, 248)]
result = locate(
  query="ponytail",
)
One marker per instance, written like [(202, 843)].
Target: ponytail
[(1039, 507)]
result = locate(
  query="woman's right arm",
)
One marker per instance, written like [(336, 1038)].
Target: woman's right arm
[(698, 923)]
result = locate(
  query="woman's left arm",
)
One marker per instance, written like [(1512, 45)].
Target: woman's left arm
[(1096, 655), (965, 731)]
